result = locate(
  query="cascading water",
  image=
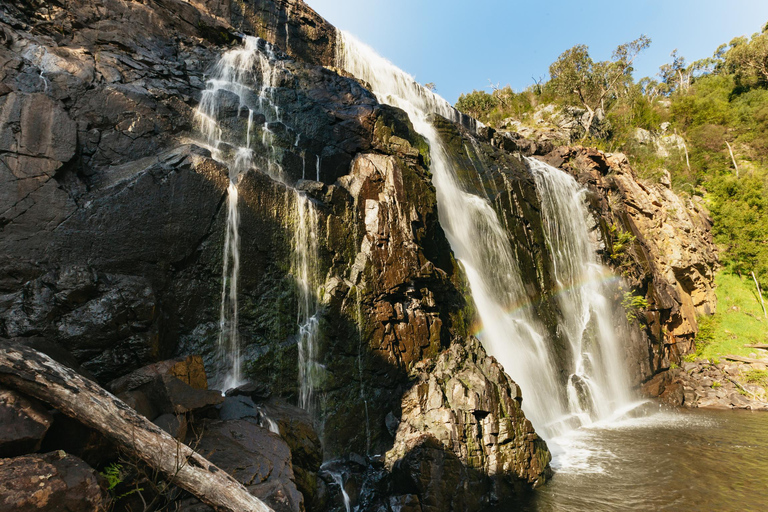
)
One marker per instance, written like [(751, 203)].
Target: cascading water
[(480, 242), (244, 81), (597, 385)]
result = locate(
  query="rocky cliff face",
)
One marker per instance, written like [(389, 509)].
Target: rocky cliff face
[(113, 222)]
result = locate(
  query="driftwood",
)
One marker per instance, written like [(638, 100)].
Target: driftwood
[(37, 375)]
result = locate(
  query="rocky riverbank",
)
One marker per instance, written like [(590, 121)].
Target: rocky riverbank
[(713, 384)]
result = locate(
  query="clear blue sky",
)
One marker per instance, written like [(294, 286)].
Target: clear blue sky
[(461, 44)]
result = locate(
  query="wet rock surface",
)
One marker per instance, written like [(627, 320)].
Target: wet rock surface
[(465, 401), (23, 423), (463, 441), (113, 224)]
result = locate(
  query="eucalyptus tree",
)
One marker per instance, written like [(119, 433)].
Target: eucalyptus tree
[(579, 80)]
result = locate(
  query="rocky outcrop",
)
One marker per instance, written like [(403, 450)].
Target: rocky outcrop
[(113, 223), (463, 402), (658, 241), (50, 482), (256, 457), (707, 384)]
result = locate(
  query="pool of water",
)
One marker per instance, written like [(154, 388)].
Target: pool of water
[(686, 460)]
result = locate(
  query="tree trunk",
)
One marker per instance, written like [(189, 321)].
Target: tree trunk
[(37, 375), (589, 123), (733, 159), (760, 293)]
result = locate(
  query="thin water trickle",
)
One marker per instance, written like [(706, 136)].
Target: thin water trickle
[(481, 243), (305, 272), (234, 74), (250, 75)]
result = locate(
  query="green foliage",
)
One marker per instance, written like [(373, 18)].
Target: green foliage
[(113, 474), (633, 304), (689, 358), (747, 59), (718, 106), (622, 243), (716, 385), (759, 377), (116, 474), (501, 103)]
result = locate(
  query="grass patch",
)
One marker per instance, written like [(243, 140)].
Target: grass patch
[(738, 321), (759, 377)]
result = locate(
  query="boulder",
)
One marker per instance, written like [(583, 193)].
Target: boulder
[(189, 370), (256, 391), (295, 427), (51, 482), (462, 430), (23, 423), (170, 395), (76, 439), (255, 457), (174, 424)]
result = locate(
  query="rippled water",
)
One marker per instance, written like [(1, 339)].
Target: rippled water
[(688, 460)]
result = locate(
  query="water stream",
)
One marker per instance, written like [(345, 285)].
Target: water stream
[(305, 271), (480, 242)]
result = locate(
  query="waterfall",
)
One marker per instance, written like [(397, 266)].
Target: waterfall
[(243, 84), (597, 383), (478, 239)]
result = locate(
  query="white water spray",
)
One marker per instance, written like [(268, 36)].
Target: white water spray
[(234, 74), (478, 239)]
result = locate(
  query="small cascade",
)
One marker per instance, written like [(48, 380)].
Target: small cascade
[(229, 339), (338, 479), (305, 272), (236, 116), (510, 331), (597, 383), (232, 75)]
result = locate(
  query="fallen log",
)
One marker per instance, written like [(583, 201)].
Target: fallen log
[(745, 359), (763, 346), (37, 375)]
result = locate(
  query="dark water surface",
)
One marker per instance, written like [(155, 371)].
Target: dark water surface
[(687, 460)]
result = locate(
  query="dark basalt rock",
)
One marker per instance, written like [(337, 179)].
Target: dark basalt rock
[(23, 423), (189, 370), (256, 457), (51, 482), (74, 438)]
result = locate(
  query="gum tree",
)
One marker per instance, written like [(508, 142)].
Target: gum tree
[(579, 80)]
